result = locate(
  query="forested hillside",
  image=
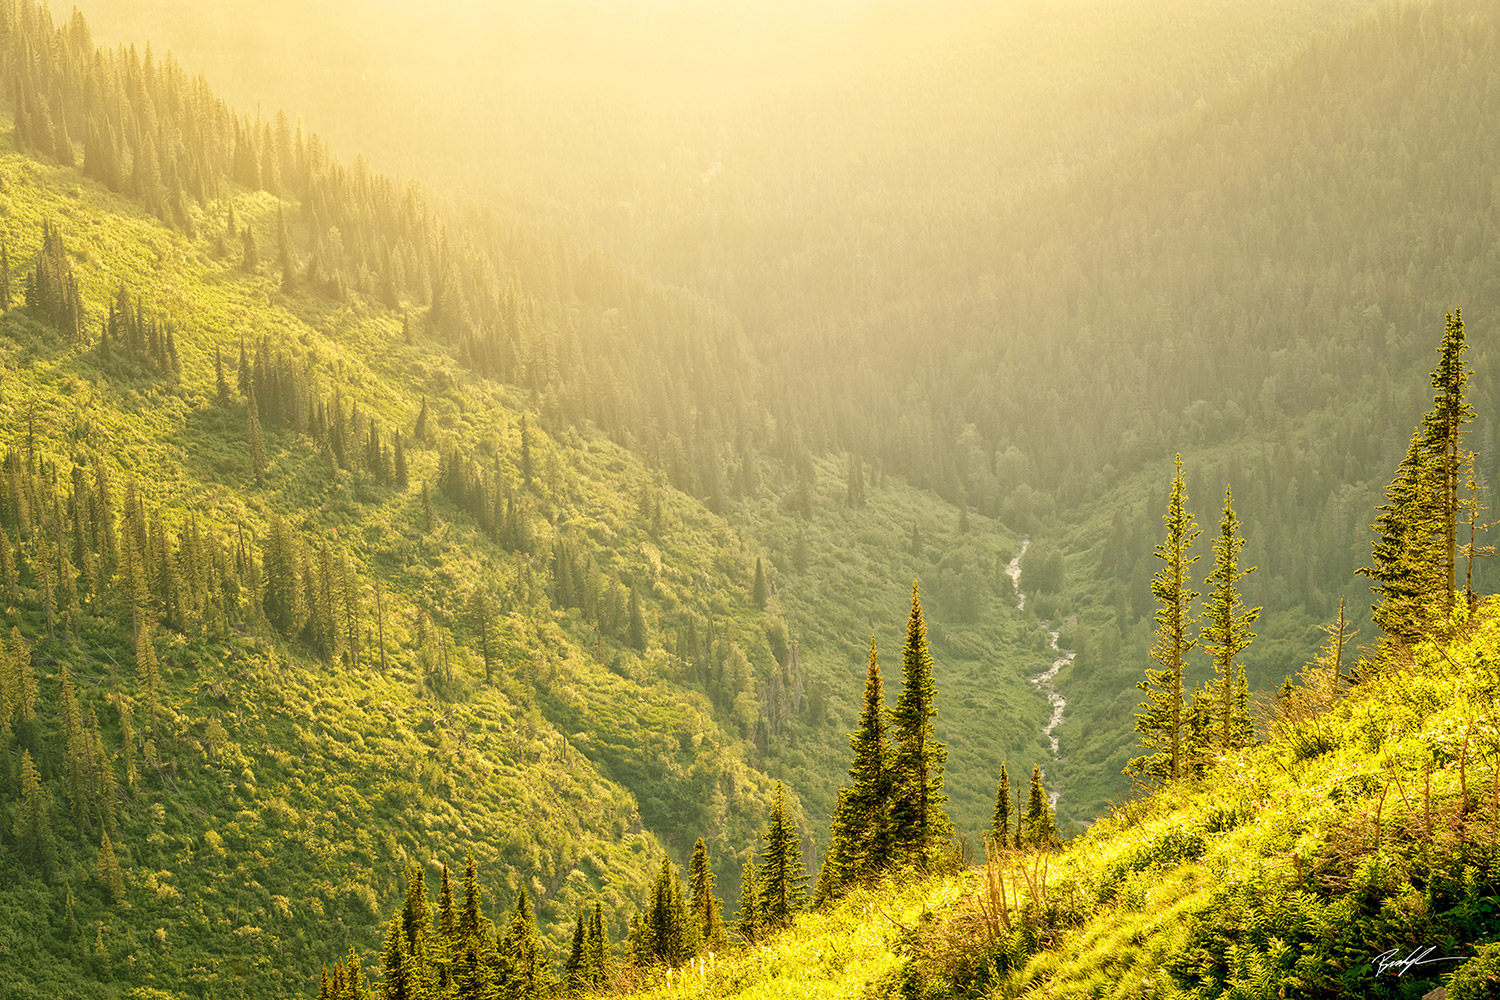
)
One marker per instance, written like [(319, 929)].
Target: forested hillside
[(350, 527), (307, 578), (1267, 855), (1218, 233)]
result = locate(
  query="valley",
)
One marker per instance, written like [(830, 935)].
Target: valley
[(449, 437)]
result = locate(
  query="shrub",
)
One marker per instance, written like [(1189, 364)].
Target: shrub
[(1479, 977)]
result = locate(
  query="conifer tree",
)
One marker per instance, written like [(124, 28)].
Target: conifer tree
[(148, 671), (33, 822), (1226, 629), (669, 935), (447, 914), (1200, 731), (356, 986), (1406, 558), (7, 291), (1413, 558), (758, 590), (416, 920), (637, 627), (101, 776), (861, 843), (573, 966), (257, 444), (1000, 825), (919, 821), (107, 870), (524, 967), (781, 875), (1038, 827), (1160, 726), (242, 375), (419, 430), (71, 931), (1472, 506), (127, 744), (10, 576), (707, 908), (75, 752), (1443, 426), (836, 871), (280, 558), (596, 948), (471, 922), (481, 624), (400, 979), (749, 923), (24, 685), (441, 945), (251, 259)]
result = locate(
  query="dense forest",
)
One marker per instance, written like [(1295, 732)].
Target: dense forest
[(1250, 217), (355, 532)]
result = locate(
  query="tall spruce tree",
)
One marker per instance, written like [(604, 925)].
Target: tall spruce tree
[(669, 934), (782, 877), (573, 966), (480, 619), (1413, 558), (416, 922), (1226, 629), (1160, 726), (758, 591), (1038, 829), (400, 976), (919, 822), (1406, 558), (107, 870), (596, 949), (707, 908), (861, 842), (256, 442), (524, 974), (835, 874), (749, 922), (1000, 824), (1443, 426), (33, 822)]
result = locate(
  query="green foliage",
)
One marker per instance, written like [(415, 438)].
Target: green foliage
[(1037, 829), (1412, 559), (1161, 726), (1225, 632), (1479, 977), (862, 841), (1000, 825), (705, 905), (670, 934), (781, 877), (750, 925), (919, 822)]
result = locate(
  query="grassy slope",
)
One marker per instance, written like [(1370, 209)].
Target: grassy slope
[(274, 850), (1368, 822)]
